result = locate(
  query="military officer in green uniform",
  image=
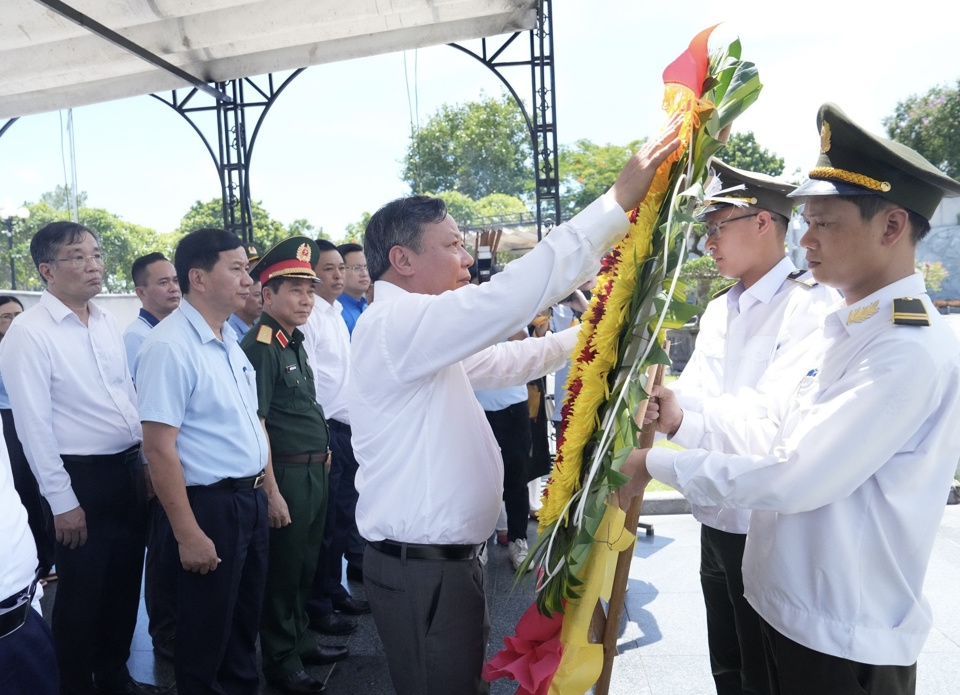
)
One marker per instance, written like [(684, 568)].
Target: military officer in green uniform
[(298, 436)]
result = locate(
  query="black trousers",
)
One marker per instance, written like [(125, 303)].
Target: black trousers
[(160, 571), (29, 665), (340, 525), (218, 613), (798, 670), (432, 619), (737, 657), (511, 427), (98, 595), (38, 511)]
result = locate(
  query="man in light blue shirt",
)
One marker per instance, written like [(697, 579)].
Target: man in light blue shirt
[(355, 284), (208, 454)]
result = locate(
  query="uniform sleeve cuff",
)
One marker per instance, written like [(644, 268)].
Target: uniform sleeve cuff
[(660, 465), (690, 433)]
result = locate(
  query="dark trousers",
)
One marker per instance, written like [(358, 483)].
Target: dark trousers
[(733, 628), (798, 670), (340, 525), (38, 511), (284, 633), (98, 595), (29, 666), (511, 427), (218, 613), (432, 619), (160, 571)]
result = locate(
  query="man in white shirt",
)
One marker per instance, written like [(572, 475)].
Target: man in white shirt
[(155, 282), (327, 341), (430, 477), (26, 645), (847, 501), (752, 340), (72, 396)]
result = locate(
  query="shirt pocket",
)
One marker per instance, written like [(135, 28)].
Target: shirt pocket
[(295, 383), (756, 356)]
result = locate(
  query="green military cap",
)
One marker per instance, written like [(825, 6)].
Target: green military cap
[(728, 186), (855, 162), (253, 255), (290, 258)]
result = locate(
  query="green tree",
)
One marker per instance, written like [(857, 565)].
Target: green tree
[(354, 230), (60, 198), (743, 152), (477, 148), (302, 227), (587, 170), (928, 124), (121, 241), (266, 230)]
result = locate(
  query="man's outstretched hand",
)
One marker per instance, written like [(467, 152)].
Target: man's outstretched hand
[(634, 181), (636, 467)]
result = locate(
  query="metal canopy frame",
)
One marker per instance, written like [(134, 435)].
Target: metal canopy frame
[(234, 151)]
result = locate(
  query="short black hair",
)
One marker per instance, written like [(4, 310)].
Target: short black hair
[(138, 271), (349, 247), (201, 249), (871, 205), (326, 245), (7, 298), (46, 243), (399, 223)]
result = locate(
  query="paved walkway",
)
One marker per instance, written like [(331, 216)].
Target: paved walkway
[(663, 638)]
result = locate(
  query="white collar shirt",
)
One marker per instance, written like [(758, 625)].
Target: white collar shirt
[(70, 391), (326, 339), (848, 501), (751, 343), (430, 468), (17, 548)]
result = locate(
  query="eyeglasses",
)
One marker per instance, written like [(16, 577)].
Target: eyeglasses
[(77, 262), (713, 230), (357, 268)]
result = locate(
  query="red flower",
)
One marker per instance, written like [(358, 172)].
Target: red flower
[(690, 67), (532, 656)]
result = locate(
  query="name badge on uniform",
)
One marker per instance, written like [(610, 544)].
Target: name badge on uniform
[(290, 368)]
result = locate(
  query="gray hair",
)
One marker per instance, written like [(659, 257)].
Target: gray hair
[(399, 223)]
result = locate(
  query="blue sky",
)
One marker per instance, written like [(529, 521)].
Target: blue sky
[(331, 147)]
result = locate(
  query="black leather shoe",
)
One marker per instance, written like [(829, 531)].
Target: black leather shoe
[(352, 606), (299, 682), (165, 648), (333, 624), (131, 687), (354, 574), (324, 654)]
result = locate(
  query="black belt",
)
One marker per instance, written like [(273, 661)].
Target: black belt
[(13, 610), (304, 459), (420, 551), (251, 482), (131, 455), (339, 426)]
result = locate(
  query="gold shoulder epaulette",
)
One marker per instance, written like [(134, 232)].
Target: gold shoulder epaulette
[(265, 335), (799, 273), (723, 291), (910, 311)]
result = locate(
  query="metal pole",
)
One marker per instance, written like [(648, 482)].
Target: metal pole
[(13, 270)]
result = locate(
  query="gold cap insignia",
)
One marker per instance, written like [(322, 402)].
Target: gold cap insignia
[(863, 313), (303, 253), (824, 137)]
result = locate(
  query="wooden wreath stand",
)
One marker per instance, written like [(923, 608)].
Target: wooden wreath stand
[(605, 627)]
